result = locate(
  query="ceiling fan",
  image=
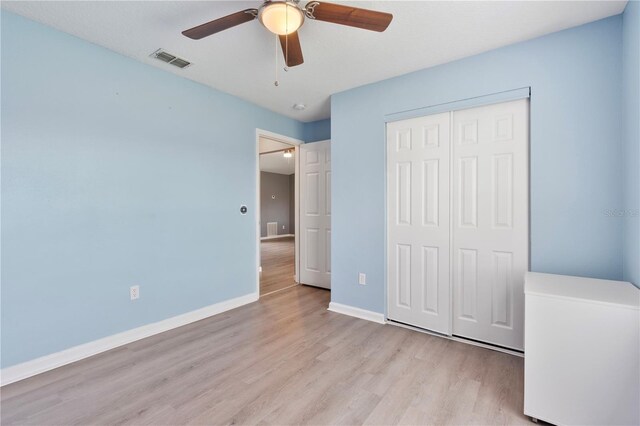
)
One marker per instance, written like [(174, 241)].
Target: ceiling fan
[(284, 18)]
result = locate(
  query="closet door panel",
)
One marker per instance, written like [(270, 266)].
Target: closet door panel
[(490, 207), (418, 240)]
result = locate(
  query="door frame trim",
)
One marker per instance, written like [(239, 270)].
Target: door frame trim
[(296, 145)]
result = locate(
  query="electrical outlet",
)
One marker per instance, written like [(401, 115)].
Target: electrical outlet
[(282, 226), (134, 292), (362, 279)]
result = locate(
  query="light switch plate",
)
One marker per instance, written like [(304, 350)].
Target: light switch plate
[(362, 279)]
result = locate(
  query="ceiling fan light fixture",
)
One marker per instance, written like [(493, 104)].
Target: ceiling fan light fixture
[(284, 17), (281, 17)]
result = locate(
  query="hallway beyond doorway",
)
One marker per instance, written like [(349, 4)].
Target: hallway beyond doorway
[(278, 264)]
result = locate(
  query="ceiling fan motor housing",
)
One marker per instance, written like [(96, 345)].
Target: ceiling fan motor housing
[(281, 17)]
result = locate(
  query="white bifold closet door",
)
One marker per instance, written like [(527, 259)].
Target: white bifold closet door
[(315, 214), (418, 221), (458, 222), (491, 222)]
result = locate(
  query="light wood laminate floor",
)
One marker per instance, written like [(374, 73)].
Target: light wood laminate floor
[(283, 360), (277, 259)]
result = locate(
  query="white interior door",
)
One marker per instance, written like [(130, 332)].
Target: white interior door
[(418, 235), (315, 214), (490, 222)]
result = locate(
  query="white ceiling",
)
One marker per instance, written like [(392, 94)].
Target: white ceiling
[(276, 163), (241, 60)]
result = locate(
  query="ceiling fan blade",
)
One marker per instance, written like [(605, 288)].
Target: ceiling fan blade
[(347, 15), (221, 24), (292, 42)]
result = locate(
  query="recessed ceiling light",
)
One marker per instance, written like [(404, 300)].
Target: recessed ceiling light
[(299, 107)]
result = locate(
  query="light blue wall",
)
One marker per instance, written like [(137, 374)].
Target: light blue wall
[(115, 173), (317, 130), (575, 158), (631, 99)]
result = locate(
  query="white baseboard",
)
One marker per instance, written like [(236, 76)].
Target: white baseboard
[(273, 237), (49, 362), (357, 312)]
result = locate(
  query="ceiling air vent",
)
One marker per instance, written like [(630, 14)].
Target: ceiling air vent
[(170, 59)]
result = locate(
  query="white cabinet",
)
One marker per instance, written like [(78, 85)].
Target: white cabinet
[(582, 350)]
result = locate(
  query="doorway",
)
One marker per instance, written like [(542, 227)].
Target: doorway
[(277, 193)]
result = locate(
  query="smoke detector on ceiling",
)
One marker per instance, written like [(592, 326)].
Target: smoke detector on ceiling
[(299, 107), (170, 59)]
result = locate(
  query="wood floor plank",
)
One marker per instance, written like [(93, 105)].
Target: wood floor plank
[(282, 360)]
